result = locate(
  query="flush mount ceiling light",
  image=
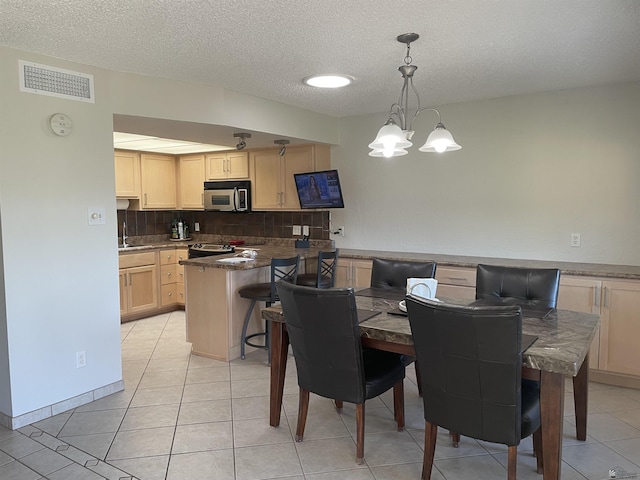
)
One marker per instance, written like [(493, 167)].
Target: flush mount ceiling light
[(242, 143), (283, 146), (328, 81), (395, 135)]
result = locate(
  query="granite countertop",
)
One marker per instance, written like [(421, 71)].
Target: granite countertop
[(263, 259), (627, 272)]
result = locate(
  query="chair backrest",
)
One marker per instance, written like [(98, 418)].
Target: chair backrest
[(325, 337), (470, 366), (283, 269), (394, 273), (327, 263), (528, 287)]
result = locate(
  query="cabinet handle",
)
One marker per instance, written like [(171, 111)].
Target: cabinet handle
[(606, 297), (170, 294), (282, 201), (168, 274), (596, 296), (458, 279), (145, 199)]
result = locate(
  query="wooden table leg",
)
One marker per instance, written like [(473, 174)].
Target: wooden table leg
[(551, 415), (279, 350), (581, 398)]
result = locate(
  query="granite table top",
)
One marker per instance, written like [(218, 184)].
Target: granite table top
[(564, 336)]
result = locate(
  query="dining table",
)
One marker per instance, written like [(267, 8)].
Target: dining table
[(560, 350)]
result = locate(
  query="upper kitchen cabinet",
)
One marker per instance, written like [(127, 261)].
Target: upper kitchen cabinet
[(158, 173), (272, 179), (127, 167), (227, 166), (191, 182)]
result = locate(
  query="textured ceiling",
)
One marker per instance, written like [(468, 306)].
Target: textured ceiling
[(468, 49)]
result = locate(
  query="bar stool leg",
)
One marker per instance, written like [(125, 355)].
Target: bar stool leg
[(247, 317)]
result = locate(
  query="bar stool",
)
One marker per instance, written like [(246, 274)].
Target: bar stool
[(281, 269), (325, 274)]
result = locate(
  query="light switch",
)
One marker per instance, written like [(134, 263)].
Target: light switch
[(96, 216), (297, 230), (305, 230)]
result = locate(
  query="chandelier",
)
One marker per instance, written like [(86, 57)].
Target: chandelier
[(395, 135)]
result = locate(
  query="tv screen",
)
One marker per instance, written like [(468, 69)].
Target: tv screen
[(319, 189)]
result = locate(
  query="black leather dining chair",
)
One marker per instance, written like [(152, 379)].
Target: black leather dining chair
[(324, 333), (471, 366), (394, 273), (325, 274), (281, 269), (527, 287)]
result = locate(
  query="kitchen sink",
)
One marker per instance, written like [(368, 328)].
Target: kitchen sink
[(132, 246)]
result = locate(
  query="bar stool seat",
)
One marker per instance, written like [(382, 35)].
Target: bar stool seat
[(281, 269), (325, 274)]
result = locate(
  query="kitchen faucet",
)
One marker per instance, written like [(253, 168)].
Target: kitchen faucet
[(124, 234)]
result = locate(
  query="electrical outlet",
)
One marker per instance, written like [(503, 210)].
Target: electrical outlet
[(339, 231), (81, 359), (305, 230), (575, 239), (297, 230), (196, 227)]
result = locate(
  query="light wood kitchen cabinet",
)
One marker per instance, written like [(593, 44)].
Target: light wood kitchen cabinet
[(353, 273), (456, 282), (227, 166), (127, 169), (273, 185), (172, 276), (620, 327), (191, 179), (138, 283), (158, 179)]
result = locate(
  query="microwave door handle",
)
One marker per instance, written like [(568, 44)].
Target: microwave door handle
[(235, 199)]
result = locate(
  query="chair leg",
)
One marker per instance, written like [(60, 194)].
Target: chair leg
[(430, 436), (512, 462), (360, 433), (303, 408), (398, 404), (339, 405), (418, 379), (455, 438), (245, 325), (537, 450)]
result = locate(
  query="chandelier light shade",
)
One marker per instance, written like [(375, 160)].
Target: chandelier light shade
[(395, 135)]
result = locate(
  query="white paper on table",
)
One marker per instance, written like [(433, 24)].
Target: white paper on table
[(422, 287)]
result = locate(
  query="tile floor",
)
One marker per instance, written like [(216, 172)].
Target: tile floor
[(185, 417)]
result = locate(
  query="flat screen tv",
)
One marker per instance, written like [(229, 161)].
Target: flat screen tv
[(319, 189)]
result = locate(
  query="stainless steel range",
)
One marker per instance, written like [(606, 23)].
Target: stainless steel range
[(208, 249)]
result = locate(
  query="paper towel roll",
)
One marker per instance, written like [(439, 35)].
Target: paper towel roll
[(122, 204)]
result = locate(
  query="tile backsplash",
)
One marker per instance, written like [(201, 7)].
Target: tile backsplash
[(253, 224)]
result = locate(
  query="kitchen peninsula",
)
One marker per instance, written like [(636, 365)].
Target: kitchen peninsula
[(214, 310)]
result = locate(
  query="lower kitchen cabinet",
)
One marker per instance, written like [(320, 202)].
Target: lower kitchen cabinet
[(620, 327), (456, 282), (353, 273), (138, 283), (172, 276)]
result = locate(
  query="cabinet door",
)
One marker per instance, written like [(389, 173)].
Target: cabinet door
[(620, 327), (343, 273), (456, 282), (142, 288), (158, 173), (237, 165), (266, 192), (127, 167), (124, 297), (216, 166), (362, 273), (296, 160), (191, 182), (582, 294)]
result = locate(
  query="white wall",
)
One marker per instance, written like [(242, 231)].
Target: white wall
[(532, 170), (60, 291)]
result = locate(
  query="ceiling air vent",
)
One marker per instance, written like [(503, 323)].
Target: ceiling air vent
[(56, 82)]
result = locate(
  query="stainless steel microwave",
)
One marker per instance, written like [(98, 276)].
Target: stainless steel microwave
[(228, 196)]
